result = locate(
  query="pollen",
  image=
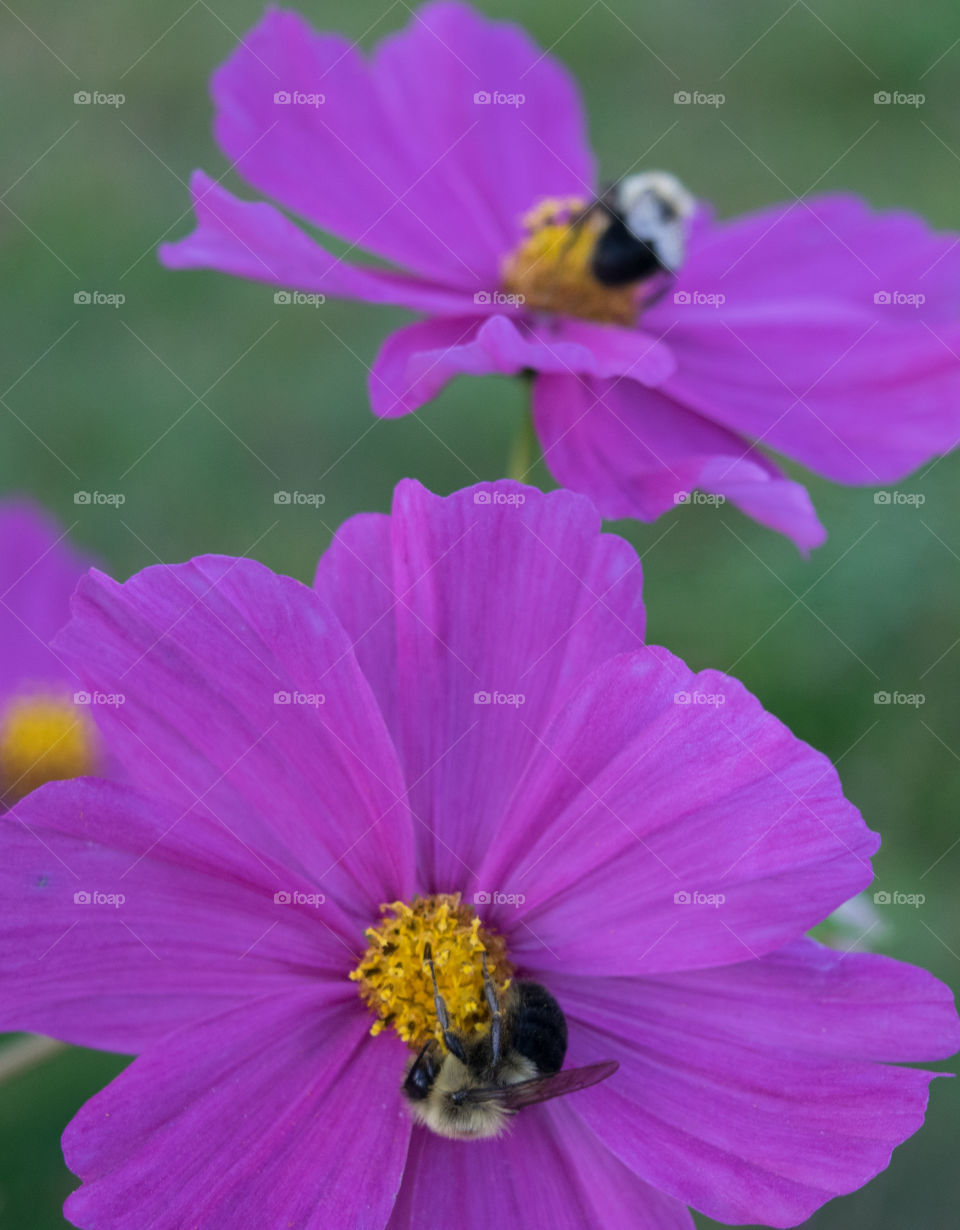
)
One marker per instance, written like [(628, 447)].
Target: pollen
[(396, 985), (42, 739), (551, 269)]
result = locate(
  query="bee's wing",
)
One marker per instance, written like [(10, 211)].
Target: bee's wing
[(542, 1088)]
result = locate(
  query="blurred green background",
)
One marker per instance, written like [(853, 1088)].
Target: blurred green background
[(103, 398)]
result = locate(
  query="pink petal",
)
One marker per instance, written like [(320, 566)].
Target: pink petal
[(654, 785), (250, 1120), (416, 362), (757, 1092), (549, 1171), (38, 571), (801, 358), (254, 240), (471, 596), (637, 452), (399, 158), (124, 919), (206, 654)]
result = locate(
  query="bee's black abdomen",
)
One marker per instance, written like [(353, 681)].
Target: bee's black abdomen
[(540, 1028), (619, 257)]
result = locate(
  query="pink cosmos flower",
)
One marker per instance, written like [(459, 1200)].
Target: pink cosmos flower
[(817, 329), (43, 734), (463, 703)]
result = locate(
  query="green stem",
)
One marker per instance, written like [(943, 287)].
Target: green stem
[(523, 450)]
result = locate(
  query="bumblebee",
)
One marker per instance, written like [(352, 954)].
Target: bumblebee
[(468, 1089)]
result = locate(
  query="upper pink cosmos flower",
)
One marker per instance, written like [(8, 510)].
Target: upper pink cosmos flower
[(816, 329), (43, 734), (463, 704)]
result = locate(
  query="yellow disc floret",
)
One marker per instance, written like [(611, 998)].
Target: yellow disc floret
[(551, 269), (395, 984), (42, 738)]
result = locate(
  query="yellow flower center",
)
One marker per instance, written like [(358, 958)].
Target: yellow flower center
[(42, 739), (396, 985), (551, 269)]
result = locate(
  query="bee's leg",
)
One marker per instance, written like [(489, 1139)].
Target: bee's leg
[(454, 1045), (493, 1000)]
